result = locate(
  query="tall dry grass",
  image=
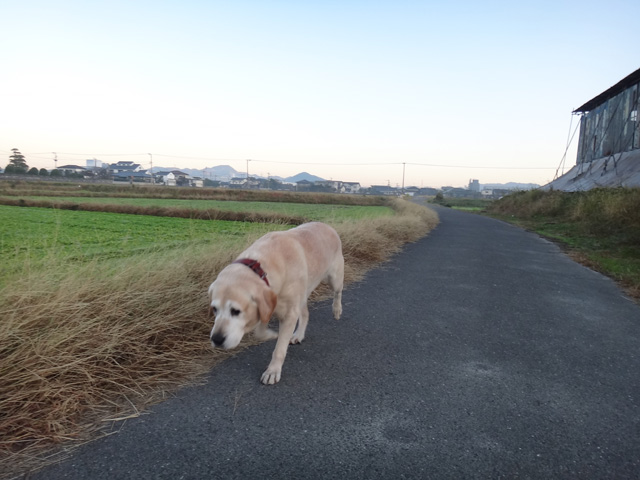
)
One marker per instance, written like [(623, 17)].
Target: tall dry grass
[(598, 211), (85, 346)]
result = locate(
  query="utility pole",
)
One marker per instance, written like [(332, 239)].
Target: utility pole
[(151, 169), (403, 167), (248, 173), (55, 160)]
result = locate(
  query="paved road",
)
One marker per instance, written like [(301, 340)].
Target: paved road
[(481, 351)]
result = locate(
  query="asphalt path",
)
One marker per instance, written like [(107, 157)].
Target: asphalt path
[(481, 351)]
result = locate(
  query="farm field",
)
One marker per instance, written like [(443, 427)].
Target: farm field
[(310, 211), (30, 235), (105, 313)]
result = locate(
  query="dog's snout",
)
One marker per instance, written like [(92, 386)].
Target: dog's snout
[(218, 339)]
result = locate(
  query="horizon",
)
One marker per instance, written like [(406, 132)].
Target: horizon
[(241, 174), (362, 91)]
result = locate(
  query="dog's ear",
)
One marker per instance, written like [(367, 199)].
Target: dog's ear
[(266, 305)]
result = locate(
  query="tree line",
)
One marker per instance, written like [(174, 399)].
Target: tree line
[(18, 166)]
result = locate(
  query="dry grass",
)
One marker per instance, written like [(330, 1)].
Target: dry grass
[(85, 346), (176, 212), (51, 189)]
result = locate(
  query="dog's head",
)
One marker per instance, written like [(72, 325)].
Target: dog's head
[(238, 301)]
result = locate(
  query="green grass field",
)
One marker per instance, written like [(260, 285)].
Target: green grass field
[(29, 235)]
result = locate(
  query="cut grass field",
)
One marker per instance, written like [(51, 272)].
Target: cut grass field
[(84, 344)]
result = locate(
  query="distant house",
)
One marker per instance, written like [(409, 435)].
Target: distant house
[(174, 178), (197, 182), (427, 191), (243, 182), (141, 176), (459, 193), (304, 185), (330, 185), (122, 167), (383, 190), (72, 169), (351, 187)]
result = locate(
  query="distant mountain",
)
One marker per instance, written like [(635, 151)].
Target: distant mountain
[(303, 176), (224, 173), (509, 186)]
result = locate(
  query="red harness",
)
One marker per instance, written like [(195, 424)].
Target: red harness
[(255, 266)]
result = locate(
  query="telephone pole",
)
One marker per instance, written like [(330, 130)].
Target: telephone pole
[(151, 169), (403, 167)]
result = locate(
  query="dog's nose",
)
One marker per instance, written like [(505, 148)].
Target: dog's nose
[(218, 339)]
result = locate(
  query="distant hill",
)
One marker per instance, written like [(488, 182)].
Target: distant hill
[(509, 186), (224, 173), (303, 176)]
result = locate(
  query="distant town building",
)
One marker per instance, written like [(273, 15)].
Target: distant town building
[(383, 190), (351, 187), (121, 167), (72, 169), (93, 164)]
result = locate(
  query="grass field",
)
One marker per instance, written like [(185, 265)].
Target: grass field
[(32, 235), (87, 342), (309, 211)]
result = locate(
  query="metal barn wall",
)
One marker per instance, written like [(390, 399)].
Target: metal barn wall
[(610, 128)]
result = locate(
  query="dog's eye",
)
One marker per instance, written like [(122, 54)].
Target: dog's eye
[(235, 312)]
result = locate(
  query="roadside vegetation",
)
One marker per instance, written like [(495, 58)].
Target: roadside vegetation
[(599, 228), (475, 205), (105, 313)]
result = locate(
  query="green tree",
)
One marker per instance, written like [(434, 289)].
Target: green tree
[(33, 171), (56, 173), (17, 163), (43, 172)]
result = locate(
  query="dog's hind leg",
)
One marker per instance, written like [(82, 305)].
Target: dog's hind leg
[(336, 281), (298, 335)]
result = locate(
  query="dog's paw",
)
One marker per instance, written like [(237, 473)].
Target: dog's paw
[(296, 338), (337, 311), (271, 376)]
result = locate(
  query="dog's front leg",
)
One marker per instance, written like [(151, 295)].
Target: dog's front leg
[(274, 370)]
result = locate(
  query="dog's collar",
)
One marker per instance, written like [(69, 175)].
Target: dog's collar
[(255, 266)]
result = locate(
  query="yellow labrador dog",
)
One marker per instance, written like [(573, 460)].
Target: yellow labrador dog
[(276, 275)]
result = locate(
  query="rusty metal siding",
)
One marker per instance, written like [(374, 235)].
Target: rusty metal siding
[(611, 127)]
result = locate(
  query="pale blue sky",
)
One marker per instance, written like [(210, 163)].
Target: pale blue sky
[(347, 90)]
